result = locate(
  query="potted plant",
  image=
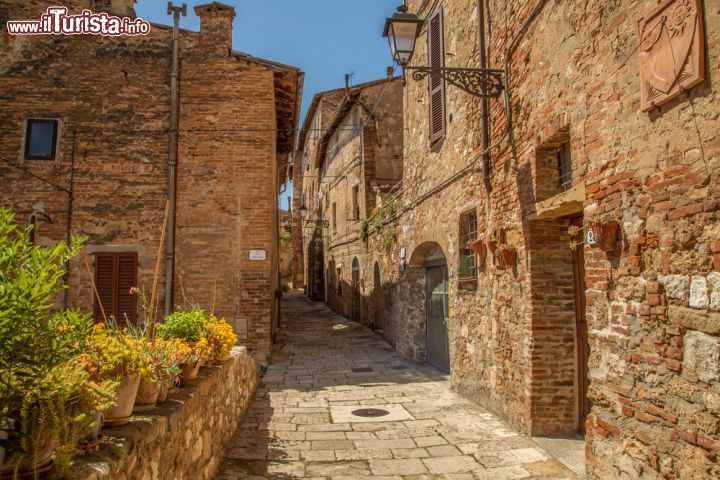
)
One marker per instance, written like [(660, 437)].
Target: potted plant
[(505, 253), (603, 232), (164, 357), (47, 399), (188, 327), (480, 249), (116, 355), (220, 338)]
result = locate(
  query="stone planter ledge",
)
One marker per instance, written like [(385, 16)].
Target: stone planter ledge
[(183, 438)]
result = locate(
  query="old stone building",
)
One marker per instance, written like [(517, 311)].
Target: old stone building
[(308, 248), (355, 159), (102, 105), (564, 267)]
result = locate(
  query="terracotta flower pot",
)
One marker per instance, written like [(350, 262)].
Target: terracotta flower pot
[(604, 235), (507, 257), (147, 394), (480, 249), (121, 413), (38, 459), (189, 371), (491, 245), (163, 393)]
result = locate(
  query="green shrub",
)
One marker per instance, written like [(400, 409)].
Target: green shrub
[(45, 391), (187, 325)]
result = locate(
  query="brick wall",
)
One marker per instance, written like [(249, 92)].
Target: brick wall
[(112, 97), (653, 346)]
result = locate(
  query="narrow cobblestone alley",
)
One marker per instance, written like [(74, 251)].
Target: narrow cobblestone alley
[(324, 367)]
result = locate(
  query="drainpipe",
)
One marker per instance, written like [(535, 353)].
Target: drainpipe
[(485, 105), (172, 158)]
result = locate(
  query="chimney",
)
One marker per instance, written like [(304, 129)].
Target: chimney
[(120, 8), (216, 27)]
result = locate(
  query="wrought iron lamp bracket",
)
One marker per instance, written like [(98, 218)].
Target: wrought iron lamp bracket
[(479, 82)]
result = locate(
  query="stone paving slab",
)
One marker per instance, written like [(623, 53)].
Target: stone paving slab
[(325, 366)]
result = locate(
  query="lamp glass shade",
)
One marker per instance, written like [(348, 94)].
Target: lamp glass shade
[(303, 211), (402, 30), (402, 35)]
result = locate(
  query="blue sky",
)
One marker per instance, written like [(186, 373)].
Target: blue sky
[(325, 38)]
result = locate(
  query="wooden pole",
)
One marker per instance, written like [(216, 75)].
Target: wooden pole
[(153, 297)]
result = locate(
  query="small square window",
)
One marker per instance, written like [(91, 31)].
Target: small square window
[(41, 139)]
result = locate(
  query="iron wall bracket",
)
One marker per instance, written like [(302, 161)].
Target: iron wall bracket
[(479, 82)]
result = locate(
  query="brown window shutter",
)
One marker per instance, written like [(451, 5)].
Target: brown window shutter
[(126, 279), (105, 285), (436, 58)]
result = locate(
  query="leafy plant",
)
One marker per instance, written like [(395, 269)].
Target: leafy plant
[(185, 325), (220, 337), (286, 241), (113, 353), (509, 244), (47, 398), (164, 357), (388, 240), (364, 230)]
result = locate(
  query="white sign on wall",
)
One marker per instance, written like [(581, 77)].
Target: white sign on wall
[(258, 255)]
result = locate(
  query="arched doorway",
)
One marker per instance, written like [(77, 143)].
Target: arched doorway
[(356, 310), (378, 301), (430, 257)]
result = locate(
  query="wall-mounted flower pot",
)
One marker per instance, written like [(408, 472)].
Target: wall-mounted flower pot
[(603, 235), (121, 413), (506, 257), (491, 245), (480, 249)]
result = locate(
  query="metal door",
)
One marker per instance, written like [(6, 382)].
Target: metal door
[(436, 308), (356, 290)]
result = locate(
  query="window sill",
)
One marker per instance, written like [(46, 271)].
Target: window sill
[(561, 205)]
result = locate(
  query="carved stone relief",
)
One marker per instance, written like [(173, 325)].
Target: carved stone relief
[(671, 49)]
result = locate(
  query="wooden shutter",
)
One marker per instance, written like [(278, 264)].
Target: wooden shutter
[(126, 279), (115, 274), (105, 285), (436, 58)]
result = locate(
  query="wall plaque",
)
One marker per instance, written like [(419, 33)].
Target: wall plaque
[(672, 49), (258, 255)]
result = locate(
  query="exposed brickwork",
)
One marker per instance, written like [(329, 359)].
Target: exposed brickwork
[(652, 321), (112, 97)]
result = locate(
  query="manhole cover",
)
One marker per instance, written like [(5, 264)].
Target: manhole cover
[(370, 412)]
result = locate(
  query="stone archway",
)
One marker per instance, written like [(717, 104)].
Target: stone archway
[(426, 289)]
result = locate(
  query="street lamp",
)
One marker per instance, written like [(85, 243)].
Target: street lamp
[(303, 212), (402, 30)]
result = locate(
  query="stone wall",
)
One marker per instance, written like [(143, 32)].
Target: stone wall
[(184, 438), (651, 304)]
